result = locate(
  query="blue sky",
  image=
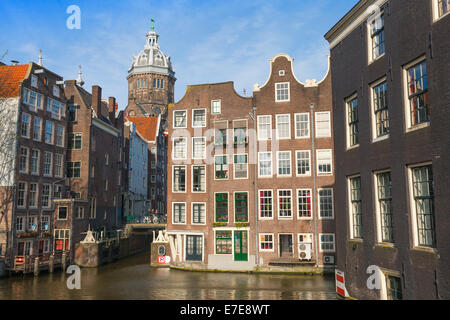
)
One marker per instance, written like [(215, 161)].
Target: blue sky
[(208, 41)]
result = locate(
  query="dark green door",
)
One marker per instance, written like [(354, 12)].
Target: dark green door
[(241, 246)]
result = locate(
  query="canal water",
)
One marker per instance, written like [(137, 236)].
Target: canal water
[(132, 278)]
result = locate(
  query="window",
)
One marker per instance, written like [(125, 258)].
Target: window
[(180, 119), (158, 83), (266, 242), (58, 169), (49, 132), (33, 99), (55, 91), (199, 118), (303, 163), (198, 213), (394, 288), (19, 224), (221, 167), (199, 148), (240, 166), (380, 110), (423, 196), (284, 204), (62, 213), (33, 195), (326, 203), (106, 159), (301, 125), (265, 204), (240, 136), (152, 179), (304, 203), (216, 106), (324, 162), (75, 141), (37, 129), (92, 208), (282, 92), (417, 89), (265, 164), (194, 248), (264, 128), (179, 179), (74, 169), (62, 239), (56, 108), (377, 37), (79, 213), (35, 161), (48, 163), (284, 163), (179, 149), (220, 136), (224, 242), (34, 80), (384, 206), (327, 242), (355, 207), (283, 126), (60, 136), (45, 223), (221, 207), (23, 160), (72, 113), (21, 194), (32, 223), (352, 123), (241, 207), (198, 178), (25, 126), (179, 213), (281, 73), (443, 7), (323, 125), (45, 200)]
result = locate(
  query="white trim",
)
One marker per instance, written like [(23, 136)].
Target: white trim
[(234, 166), (185, 148), (347, 128), (273, 242), (278, 205), (379, 236), (332, 204), (192, 178), (295, 125), (185, 178), (289, 92), (206, 121), (270, 131), (276, 126), (349, 204), (234, 207), (278, 164), (318, 151), (192, 214), (373, 119), (193, 148), (259, 204), (174, 119), (212, 106), (185, 213), (296, 163), (271, 165), (328, 135), (436, 11), (184, 249), (311, 203), (369, 41), (320, 242), (228, 170)]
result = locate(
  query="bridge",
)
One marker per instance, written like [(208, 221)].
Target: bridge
[(144, 228)]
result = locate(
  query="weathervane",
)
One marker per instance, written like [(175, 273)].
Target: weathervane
[(153, 24)]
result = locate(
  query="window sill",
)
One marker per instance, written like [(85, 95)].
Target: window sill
[(381, 138), (418, 127), (303, 175), (385, 245), (425, 249), (441, 17), (376, 59), (352, 147)]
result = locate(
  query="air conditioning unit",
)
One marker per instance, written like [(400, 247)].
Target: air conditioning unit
[(328, 259), (304, 251)]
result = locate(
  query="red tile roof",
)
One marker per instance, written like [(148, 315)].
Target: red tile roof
[(10, 79), (147, 126)]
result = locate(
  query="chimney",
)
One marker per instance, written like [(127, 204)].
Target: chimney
[(112, 110), (97, 100)]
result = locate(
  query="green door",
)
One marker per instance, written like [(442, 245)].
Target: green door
[(240, 246)]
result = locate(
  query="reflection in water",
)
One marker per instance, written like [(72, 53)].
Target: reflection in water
[(133, 278)]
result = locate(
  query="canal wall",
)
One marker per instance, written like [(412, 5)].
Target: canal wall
[(92, 255), (2, 268)]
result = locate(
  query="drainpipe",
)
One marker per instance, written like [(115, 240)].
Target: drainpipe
[(255, 181), (313, 195)]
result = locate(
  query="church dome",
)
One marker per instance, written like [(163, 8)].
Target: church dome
[(151, 59)]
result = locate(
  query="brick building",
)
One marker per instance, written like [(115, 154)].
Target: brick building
[(390, 77), (233, 206), (33, 162)]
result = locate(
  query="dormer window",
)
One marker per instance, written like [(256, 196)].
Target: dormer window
[(55, 91), (34, 81)]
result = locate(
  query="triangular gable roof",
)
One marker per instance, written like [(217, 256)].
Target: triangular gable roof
[(10, 79), (147, 126)]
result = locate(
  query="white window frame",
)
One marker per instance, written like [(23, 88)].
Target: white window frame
[(34, 80), (297, 125), (228, 169), (40, 130), (311, 204), (234, 166), (328, 134), (373, 118), (49, 195), (332, 204), (25, 192), (259, 204), (203, 156), (192, 177), (36, 196), (259, 165), (320, 242), (436, 16), (185, 148), (322, 151), (308, 174), (278, 164), (50, 165), (370, 40), (62, 137), (27, 136), (348, 146), (291, 217), (288, 89), (185, 213), (379, 236), (260, 138), (350, 207), (220, 106), (192, 214), (185, 178), (260, 242), (277, 126), (53, 133), (27, 160), (174, 119), (55, 173), (193, 118)]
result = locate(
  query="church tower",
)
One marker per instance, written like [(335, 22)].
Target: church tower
[(151, 80)]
